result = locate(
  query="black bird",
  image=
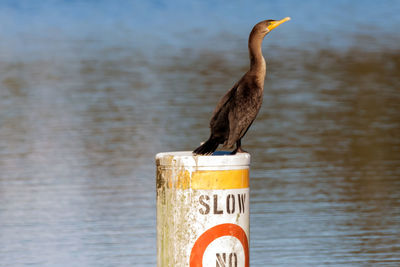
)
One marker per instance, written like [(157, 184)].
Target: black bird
[(238, 108)]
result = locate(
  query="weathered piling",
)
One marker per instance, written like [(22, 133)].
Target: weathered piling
[(202, 210)]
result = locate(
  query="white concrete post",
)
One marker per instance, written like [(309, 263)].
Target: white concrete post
[(202, 210)]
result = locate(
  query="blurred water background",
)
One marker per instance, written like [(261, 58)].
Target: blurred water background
[(90, 91)]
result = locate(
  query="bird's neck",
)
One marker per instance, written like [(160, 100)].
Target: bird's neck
[(257, 61)]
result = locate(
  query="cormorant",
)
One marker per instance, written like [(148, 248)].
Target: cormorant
[(238, 108)]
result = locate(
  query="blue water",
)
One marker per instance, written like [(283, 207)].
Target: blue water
[(90, 91), (187, 23)]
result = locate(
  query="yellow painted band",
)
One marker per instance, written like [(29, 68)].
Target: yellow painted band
[(209, 180), (227, 179)]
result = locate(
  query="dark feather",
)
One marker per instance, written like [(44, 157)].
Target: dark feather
[(238, 108)]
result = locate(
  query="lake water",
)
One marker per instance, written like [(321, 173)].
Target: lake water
[(91, 91)]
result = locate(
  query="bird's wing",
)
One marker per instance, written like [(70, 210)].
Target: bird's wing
[(225, 99), (242, 114), (222, 104)]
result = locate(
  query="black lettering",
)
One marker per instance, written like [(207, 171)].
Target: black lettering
[(233, 260), (206, 208), (241, 199), (221, 260), (230, 205), (216, 211)]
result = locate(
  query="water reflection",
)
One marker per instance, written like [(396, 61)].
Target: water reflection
[(79, 132)]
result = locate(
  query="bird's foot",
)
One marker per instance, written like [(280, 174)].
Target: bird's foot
[(238, 150)]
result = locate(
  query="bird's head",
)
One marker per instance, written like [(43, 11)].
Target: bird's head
[(264, 27)]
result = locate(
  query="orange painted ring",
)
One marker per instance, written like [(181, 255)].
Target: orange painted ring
[(226, 229)]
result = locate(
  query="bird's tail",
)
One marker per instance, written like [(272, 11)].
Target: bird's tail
[(208, 147)]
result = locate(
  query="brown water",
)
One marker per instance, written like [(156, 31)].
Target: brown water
[(80, 125)]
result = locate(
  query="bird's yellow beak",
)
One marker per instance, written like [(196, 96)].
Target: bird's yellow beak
[(276, 23)]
